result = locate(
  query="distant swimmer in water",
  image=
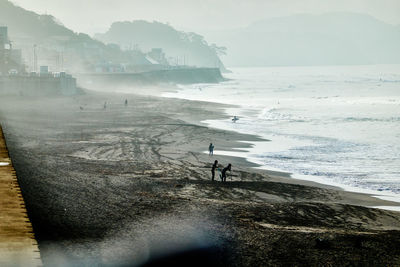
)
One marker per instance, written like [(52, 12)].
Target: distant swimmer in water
[(126, 102), (211, 149), (235, 119), (224, 170), (214, 167)]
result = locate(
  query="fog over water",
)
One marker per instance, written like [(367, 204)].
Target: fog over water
[(212, 132), (335, 124), (301, 108)]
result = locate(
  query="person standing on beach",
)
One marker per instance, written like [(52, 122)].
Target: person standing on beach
[(215, 166), (211, 149), (224, 170)]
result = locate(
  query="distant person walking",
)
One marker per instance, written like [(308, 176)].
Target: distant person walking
[(211, 149), (215, 166), (224, 170), (126, 102)]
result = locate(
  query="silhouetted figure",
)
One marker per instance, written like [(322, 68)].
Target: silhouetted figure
[(105, 105), (211, 149), (235, 119), (215, 166), (126, 102), (224, 170)]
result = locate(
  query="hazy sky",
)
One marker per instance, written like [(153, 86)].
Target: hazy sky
[(93, 16)]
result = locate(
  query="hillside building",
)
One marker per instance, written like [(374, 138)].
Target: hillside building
[(10, 59), (15, 81)]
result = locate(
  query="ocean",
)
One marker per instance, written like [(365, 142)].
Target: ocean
[(336, 125)]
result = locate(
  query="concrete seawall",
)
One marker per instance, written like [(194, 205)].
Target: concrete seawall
[(37, 85), (18, 246), (170, 76)]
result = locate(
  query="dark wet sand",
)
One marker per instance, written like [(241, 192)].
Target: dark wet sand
[(116, 186)]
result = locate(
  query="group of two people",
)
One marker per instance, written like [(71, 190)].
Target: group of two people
[(223, 172), (215, 166)]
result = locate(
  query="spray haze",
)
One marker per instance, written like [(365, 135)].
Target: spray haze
[(108, 107)]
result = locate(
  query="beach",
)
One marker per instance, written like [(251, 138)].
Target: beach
[(114, 186), (334, 125)]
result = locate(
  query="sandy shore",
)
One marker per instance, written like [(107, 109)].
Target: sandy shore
[(117, 186)]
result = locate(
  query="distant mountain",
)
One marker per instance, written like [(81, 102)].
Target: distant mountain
[(328, 39), (58, 46), (179, 47)]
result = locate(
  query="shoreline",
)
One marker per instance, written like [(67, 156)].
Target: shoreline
[(256, 145), (363, 199), (106, 186)]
